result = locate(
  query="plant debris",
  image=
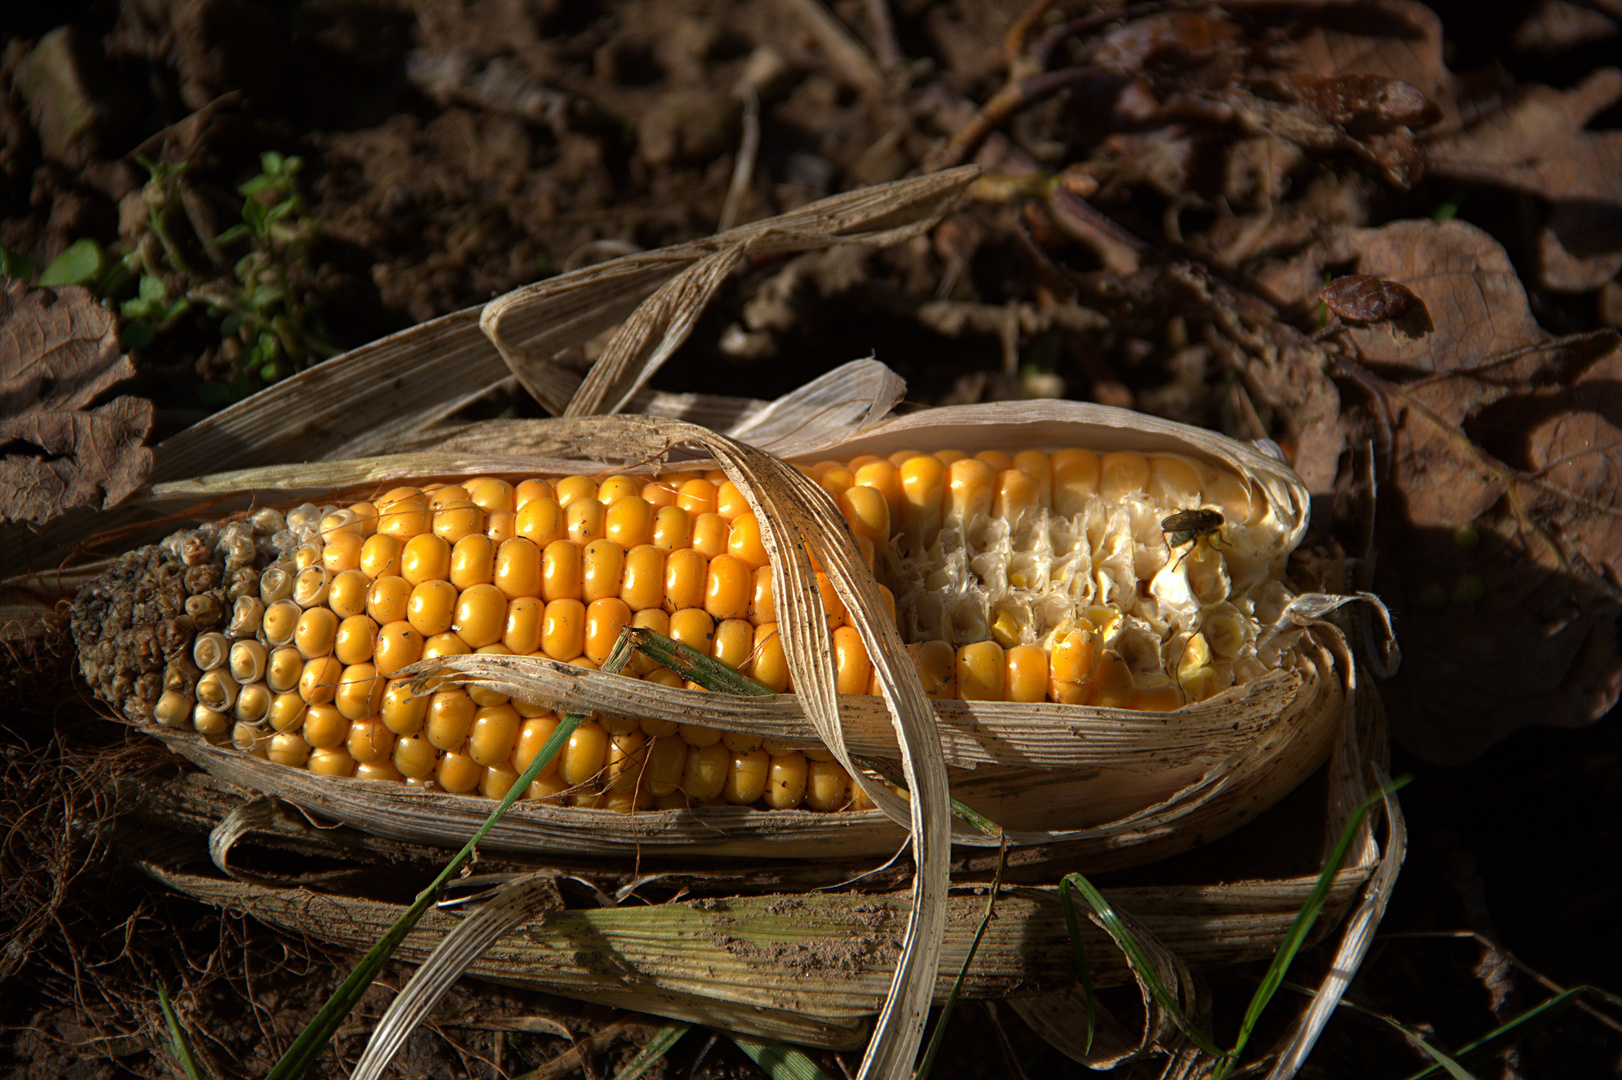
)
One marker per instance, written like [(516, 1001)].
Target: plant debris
[(58, 355)]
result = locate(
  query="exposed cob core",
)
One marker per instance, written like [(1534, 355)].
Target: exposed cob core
[(1028, 577)]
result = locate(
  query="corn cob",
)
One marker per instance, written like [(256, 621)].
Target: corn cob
[(1025, 577)]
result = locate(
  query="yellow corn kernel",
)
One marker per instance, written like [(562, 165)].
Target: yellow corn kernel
[(1173, 481), (439, 494), (734, 640), (854, 669), (283, 667), (521, 632), (981, 671), (1113, 684), (318, 682), (728, 587), (216, 690), (386, 600), (762, 606), (473, 561), (630, 521), (365, 516), (370, 742), (342, 552), (1157, 697), (541, 521), (346, 595), (602, 568), (529, 490), (333, 761), (547, 789), (767, 663), (618, 487), (517, 568), (360, 693), (500, 526), (867, 512), (1072, 665), (832, 605), (378, 770), (666, 758), (694, 628), (936, 664), (1017, 496), (432, 607), (480, 615), (449, 719), (697, 497), (494, 734), (425, 558), (1036, 465), (686, 574), (786, 781), (971, 485), (288, 748), (561, 571), (247, 661), (286, 711), (398, 644), (563, 629), (1076, 475), (1026, 675), (316, 630), (457, 772), (744, 542), (710, 535), (253, 702), (627, 758), (827, 785), (747, 776), (605, 619), (1121, 474), (279, 622), (923, 492), (356, 640), (729, 501), (532, 736), (325, 727), (449, 643), (672, 528), (586, 520), (585, 754), (491, 495), (705, 772), (404, 519), (642, 581), (497, 780), (571, 488)]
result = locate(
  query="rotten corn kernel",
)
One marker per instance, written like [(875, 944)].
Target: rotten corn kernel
[(1025, 578)]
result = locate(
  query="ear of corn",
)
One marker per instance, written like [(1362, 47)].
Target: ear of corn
[(1027, 577)]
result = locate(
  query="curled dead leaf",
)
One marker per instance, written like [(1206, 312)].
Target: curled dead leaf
[(1501, 522), (58, 355), (1358, 298)]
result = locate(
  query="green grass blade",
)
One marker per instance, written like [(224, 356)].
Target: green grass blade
[(1302, 925), (177, 1037), (1554, 1004), (939, 1034), (693, 665), (1084, 970), (320, 1030), (1139, 960), (657, 1048), (778, 1061)]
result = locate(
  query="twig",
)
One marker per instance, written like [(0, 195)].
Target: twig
[(743, 168), (845, 53)]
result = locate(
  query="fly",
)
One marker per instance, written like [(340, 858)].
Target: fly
[(1188, 527)]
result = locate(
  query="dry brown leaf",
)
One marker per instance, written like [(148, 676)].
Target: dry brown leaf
[(1501, 533), (58, 354)]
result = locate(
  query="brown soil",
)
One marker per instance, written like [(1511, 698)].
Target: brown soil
[(455, 151)]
